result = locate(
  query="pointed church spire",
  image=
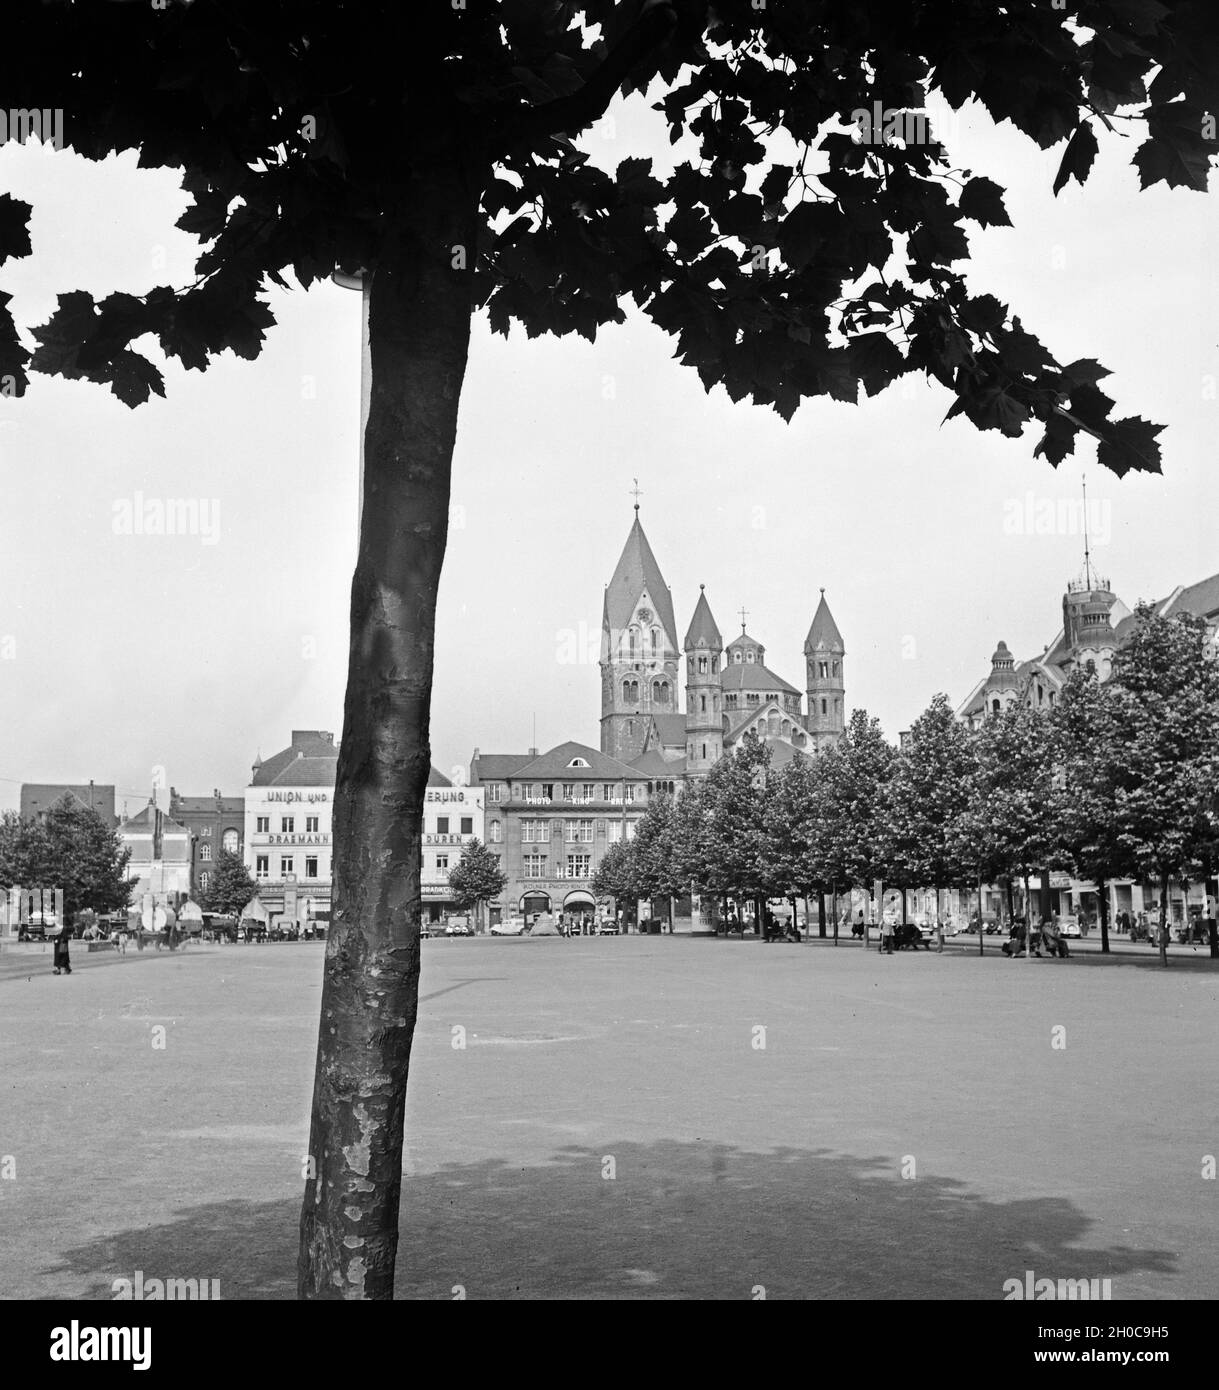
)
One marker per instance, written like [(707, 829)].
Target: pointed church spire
[(638, 573), (703, 631), (824, 632)]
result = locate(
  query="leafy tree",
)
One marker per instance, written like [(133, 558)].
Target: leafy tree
[(788, 259), (855, 776), (24, 853), (1166, 711), (659, 851), (71, 848), (1003, 827), (1088, 760), (795, 830), (230, 886), (616, 876), (732, 841), (926, 802), (477, 876)]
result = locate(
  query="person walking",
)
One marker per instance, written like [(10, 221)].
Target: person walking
[(1212, 933), (62, 961), (886, 936)]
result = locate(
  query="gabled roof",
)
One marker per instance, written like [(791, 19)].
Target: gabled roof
[(1201, 599), (311, 760), (823, 635), (437, 779), (499, 767), (703, 631), (555, 764), (636, 572), (752, 675), (37, 797)]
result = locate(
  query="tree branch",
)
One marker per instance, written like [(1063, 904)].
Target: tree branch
[(571, 114)]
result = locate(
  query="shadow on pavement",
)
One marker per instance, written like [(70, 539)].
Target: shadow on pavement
[(664, 1220)]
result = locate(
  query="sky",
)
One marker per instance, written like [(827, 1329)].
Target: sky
[(176, 659)]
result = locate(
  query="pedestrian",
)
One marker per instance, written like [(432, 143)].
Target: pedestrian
[(1212, 933), (886, 936), (62, 961)]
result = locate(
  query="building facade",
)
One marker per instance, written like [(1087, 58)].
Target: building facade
[(160, 860), (551, 817), (452, 817), (215, 823)]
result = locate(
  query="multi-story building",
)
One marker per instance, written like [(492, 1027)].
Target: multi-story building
[(215, 823), (551, 817), (452, 817), (160, 857), (289, 840)]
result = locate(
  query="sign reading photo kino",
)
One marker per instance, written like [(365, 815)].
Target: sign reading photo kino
[(289, 848)]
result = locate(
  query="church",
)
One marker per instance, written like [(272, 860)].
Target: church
[(730, 691)]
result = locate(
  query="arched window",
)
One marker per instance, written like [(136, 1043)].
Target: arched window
[(655, 640), (787, 728), (634, 641), (231, 842), (835, 668), (715, 664), (630, 692), (823, 708), (496, 832), (772, 725), (702, 704), (702, 666), (204, 880), (994, 704), (205, 852), (736, 656)]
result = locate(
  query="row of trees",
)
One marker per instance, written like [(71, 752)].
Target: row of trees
[(1117, 781)]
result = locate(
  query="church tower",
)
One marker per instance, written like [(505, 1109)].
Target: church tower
[(823, 656), (639, 653), (704, 715)]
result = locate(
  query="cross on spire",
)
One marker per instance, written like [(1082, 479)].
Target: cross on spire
[(636, 493), (744, 615)]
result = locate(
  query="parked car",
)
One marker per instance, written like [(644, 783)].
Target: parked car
[(1069, 926), (459, 926), (510, 926)]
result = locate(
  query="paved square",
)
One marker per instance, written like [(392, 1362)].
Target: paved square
[(616, 1125)]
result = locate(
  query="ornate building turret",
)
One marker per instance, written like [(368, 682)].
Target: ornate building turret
[(638, 649), (704, 715), (823, 656)]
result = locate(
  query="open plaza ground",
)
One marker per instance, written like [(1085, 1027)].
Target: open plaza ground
[(648, 1117)]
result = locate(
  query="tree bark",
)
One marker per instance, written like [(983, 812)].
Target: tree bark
[(821, 913), (419, 325), (1102, 900), (1164, 918)]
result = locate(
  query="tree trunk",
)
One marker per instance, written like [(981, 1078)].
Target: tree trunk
[(1164, 918), (981, 923), (419, 325), (834, 908), (821, 913), (1102, 897)]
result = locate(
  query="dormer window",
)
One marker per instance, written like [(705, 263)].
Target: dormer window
[(578, 762)]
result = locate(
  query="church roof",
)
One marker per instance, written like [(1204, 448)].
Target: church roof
[(654, 764), (824, 632), (37, 797), (752, 675), (670, 730), (636, 571), (556, 763), (703, 631)]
